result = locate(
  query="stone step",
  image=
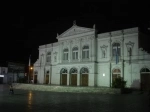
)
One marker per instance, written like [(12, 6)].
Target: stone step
[(52, 88)]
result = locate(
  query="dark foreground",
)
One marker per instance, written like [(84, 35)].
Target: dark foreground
[(39, 101)]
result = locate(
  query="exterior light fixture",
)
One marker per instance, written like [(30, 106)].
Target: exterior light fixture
[(103, 74)]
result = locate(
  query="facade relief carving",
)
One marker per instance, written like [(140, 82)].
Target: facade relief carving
[(129, 46), (104, 51)]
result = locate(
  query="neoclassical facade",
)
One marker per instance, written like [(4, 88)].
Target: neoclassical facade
[(81, 57)]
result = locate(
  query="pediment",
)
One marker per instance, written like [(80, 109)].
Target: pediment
[(75, 30)]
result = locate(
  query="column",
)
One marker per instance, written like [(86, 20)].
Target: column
[(50, 74), (68, 79), (78, 79), (123, 55), (33, 76), (90, 48), (70, 51), (60, 52), (80, 50), (93, 48), (110, 48)]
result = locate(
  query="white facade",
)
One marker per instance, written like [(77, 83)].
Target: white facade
[(3, 74), (83, 58)]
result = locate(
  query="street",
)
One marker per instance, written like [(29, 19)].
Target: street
[(44, 101)]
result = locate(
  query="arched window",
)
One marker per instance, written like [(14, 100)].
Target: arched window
[(63, 71), (48, 58), (73, 70), (65, 54), (85, 52), (84, 70), (145, 70), (75, 53), (116, 50), (63, 76)]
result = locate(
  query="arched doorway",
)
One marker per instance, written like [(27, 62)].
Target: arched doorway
[(84, 77), (35, 77), (47, 77), (73, 77), (116, 74), (145, 79), (63, 77)]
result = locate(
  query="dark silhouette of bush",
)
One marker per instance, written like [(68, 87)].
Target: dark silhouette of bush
[(119, 83)]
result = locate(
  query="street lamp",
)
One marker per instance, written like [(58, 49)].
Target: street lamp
[(30, 68)]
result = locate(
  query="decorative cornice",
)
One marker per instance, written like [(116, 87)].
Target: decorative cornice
[(123, 32)]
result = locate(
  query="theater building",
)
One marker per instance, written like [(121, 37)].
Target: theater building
[(81, 57)]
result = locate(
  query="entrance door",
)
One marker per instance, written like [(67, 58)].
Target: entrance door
[(145, 81), (116, 74), (73, 79), (84, 78), (1, 80), (47, 79), (35, 79), (64, 79)]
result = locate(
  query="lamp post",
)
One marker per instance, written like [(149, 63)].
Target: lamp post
[(28, 74), (30, 68)]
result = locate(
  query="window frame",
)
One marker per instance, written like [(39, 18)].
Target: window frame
[(75, 53), (48, 57), (85, 52), (65, 54)]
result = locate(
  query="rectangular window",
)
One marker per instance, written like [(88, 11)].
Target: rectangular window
[(83, 55), (87, 54), (65, 56), (48, 59), (76, 55), (119, 52), (73, 55)]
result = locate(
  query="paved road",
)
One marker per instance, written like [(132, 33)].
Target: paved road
[(40, 101)]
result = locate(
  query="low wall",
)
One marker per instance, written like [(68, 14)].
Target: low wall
[(78, 89)]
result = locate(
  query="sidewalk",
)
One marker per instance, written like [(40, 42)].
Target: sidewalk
[(78, 89)]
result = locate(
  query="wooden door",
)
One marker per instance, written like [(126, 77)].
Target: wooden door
[(73, 79), (84, 79), (47, 79), (145, 81), (35, 79), (64, 79)]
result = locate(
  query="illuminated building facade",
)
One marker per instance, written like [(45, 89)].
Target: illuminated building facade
[(81, 57)]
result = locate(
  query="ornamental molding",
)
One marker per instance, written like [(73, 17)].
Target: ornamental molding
[(129, 44), (104, 51)]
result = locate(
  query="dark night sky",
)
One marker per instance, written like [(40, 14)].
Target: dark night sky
[(25, 26)]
